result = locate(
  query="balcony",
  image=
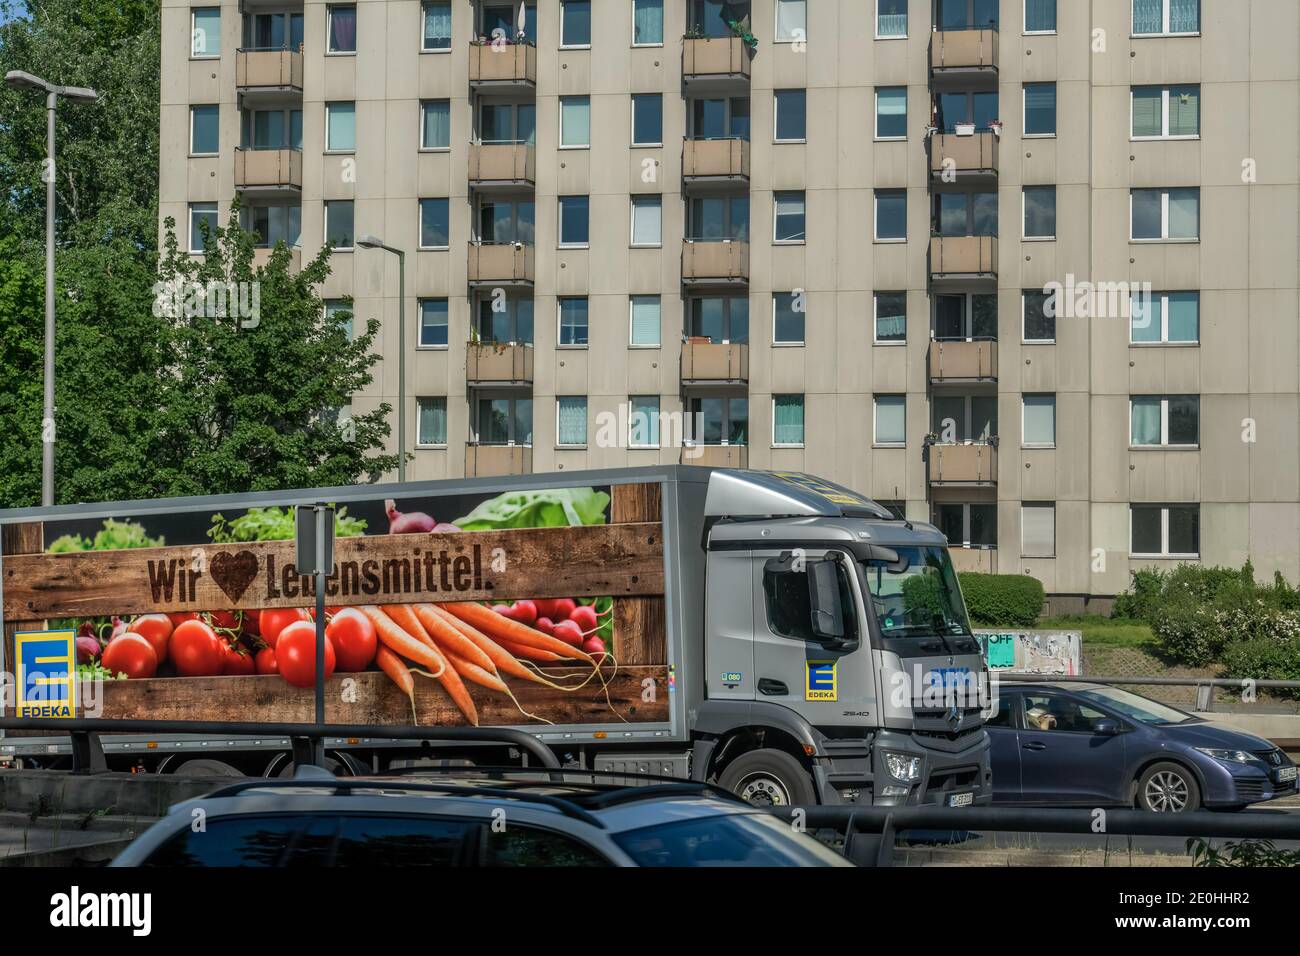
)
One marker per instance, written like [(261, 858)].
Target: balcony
[(715, 161), (264, 77), (963, 258), (714, 363), (502, 166), (721, 263), (961, 361), (269, 172), (715, 456), (968, 157), (262, 256), (502, 263), (968, 463), (956, 53), (983, 560), (502, 65), (498, 363), (486, 460), (715, 64)]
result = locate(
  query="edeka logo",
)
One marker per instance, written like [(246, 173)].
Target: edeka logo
[(47, 667), (821, 681), (77, 909)]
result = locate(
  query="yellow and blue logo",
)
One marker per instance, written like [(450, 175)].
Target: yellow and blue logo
[(821, 683), (47, 673)]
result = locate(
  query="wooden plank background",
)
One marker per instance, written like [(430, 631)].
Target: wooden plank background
[(639, 625)]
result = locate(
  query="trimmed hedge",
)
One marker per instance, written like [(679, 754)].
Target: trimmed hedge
[(1002, 600)]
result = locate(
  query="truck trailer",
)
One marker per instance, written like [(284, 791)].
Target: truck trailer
[(775, 633)]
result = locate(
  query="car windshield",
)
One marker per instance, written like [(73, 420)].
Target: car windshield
[(919, 599), (1135, 707), (742, 839)]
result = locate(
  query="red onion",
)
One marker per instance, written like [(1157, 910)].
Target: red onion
[(414, 522), (88, 650)]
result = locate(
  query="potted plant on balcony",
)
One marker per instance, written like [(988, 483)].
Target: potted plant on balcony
[(996, 126), (964, 129)]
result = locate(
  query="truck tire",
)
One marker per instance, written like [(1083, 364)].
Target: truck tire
[(1168, 788), (203, 767), (767, 778)]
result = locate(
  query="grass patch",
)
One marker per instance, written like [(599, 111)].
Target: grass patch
[(1112, 632)]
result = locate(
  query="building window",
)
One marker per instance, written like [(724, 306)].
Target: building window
[(791, 113), (1165, 213), (573, 321), (976, 108), (1038, 529), (891, 19), (965, 315), (788, 311), (202, 213), (643, 423), (342, 29), (891, 112), (1156, 17), (647, 22), (1040, 212), (717, 218), (270, 129), (205, 27), (266, 31), (575, 121), (719, 319), (433, 323), (338, 224), (966, 14), (891, 317), (1165, 531), (891, 215), (575, 23), (719, 118), (791, 21), (959, 419), (574, 221), (718, 420), (891, 420), (1165, 317), (788, 216), (435, 124), (1040, 16), (1040, 109), (508, 320), (434, 226), (966, 214), (507, 123), (273, 224), (437, 26), (1039, 313), (968, 526), (571, 420), (205, 130), (645, 321), (1039, 421), (647, 220), (340, 127), (504, 421), (647, 119), (432, 425), (339, 311), (1165, 112), (1165, 420), (787, 421)]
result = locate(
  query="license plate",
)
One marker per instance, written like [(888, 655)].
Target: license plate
[(961, 799), (1285, 774)]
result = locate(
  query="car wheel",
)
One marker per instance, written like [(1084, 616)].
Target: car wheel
[(1168, 788), (768, 778)]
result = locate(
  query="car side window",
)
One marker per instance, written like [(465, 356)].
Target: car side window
[(384, 840), (519, 845), (1056, 712), (789, 609), (1005, 715), (234, 841)]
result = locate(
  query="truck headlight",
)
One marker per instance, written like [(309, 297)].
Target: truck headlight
[(1229, 756), (903, 766)]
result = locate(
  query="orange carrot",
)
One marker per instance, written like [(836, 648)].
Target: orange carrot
[(505, 662), (533, 653), (471, 671), (504, 629), (451, 641), (404, 617), (400, 642), (393, 666)]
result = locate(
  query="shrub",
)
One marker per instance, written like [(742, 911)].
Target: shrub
[(1199, 634), (1274, 657), (1002, 600), (1139, 602)]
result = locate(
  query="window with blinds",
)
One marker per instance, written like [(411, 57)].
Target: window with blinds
[(891, 316), (1038, 529), (891, 420), (1040, 109), (571, 420), (787, 420), (432, 424), (1040, 16), (1160, 112), (1039, 425), (645, 321)]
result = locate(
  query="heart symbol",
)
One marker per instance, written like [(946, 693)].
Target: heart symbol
[(233, 572)]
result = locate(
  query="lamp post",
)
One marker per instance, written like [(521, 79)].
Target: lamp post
[(374, 242), (18, 80)]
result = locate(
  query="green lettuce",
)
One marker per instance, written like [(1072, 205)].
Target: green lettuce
[(554, 508)]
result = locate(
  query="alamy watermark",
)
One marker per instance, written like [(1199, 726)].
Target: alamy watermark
[(179, 298)]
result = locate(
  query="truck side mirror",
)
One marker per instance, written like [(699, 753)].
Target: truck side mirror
[(824, 600)]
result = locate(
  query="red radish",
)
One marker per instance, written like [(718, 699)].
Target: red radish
[(413, 522), (594, 646), (525, 612), (88, 650), (568, 632), (557, 609), (545, 625), (584, 615), (505, 610)]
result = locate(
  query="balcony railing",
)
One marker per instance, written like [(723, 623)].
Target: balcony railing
[(268, 169), (963, 257), (983, 560), (963, 361), (715, 159), (966, 156), (262, 256), (964, 51), (705, 362), (715, 58), (498, 164), (484, 459), (966, 463), (715, 262), (715, 456), (502, 64), (268, 70), (506, 263), (492, 363)]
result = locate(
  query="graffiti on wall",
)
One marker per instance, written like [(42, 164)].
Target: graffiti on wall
[(1033, 652)]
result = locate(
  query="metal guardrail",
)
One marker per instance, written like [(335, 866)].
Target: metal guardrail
[(1204, 685)]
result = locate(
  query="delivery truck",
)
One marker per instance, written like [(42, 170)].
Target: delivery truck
[(781, 635)]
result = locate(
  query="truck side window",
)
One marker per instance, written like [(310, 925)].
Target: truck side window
[(789, 612)]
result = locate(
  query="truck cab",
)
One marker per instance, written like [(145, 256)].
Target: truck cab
[(840, 666)]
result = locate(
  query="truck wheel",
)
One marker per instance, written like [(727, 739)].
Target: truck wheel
[(1168, 788), (768, 778), (203, 767)]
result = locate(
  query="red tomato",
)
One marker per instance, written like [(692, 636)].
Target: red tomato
[(236, 661), (295, 654), (354, 639), (132, 655), (265, 661), (157, 630), (180, 617), (224, 620), (196, 650), (272, 622)]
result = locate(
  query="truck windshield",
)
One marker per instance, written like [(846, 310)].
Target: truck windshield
[(921, 599)]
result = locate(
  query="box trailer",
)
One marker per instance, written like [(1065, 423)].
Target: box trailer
[(771, 631)]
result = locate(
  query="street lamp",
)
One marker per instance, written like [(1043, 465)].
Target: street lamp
[(18, 80), (374, 242)]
